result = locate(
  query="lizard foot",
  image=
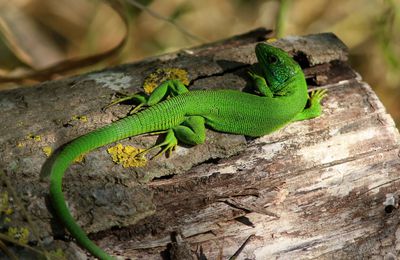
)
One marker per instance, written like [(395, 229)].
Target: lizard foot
[(317, 95), (139, 98), (168, 145)]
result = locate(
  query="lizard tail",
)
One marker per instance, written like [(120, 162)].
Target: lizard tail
[(121, 129)]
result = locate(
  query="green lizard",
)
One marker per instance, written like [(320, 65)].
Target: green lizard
[(185, 114)]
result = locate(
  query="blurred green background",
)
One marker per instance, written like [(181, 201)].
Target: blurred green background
[(38, 33)]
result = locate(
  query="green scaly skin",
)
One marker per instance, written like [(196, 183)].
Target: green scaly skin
[(184, 116)]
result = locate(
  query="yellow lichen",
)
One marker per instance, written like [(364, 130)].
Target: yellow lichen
[(9, 211), (4, 204), (80, 118), (162, 74), (79, 159), (57, 254), (127, 156), (20, 234), (36, 138), (20, 144), (47, 150)]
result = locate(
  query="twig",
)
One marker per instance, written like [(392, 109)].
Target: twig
[(7, 252), (9, 239), (165, 19), (236, 254)]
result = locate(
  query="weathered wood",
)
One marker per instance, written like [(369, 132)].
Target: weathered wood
[(315, 189)]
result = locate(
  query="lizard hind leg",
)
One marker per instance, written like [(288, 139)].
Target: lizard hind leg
[(167, 88), (192, 132)]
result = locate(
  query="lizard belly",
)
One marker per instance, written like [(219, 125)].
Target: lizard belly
[(243, 113), (245, 126), (250, 122)]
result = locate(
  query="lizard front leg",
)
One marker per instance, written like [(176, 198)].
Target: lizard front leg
[(168, 88), (261, 84)]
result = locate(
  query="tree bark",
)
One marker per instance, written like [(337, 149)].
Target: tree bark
[(322, 188)]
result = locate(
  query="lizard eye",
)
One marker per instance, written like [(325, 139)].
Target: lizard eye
[(272, 59)]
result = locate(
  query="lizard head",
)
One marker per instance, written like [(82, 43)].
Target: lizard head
[(276, 66)]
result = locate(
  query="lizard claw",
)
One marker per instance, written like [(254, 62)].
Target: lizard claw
[(254, 75), (141, 99), (317, 95)]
